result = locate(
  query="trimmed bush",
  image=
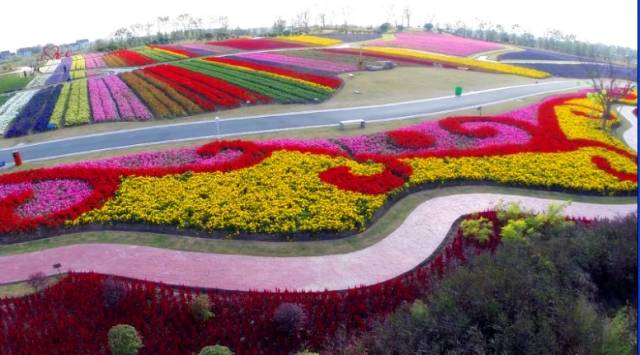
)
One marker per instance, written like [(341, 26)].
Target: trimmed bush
[(124, 340)]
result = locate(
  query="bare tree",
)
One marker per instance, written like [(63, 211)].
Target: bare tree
[(224, 22), (38, 281), (122, 34), (407, 15), (279, 26), (162, 23), (322, 17), (610, 83), (136, 29), (147, 28), (302, 20)]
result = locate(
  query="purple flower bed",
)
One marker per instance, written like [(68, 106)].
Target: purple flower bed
[(129, 105), (301, 63), (61, 73), (102, 106), (204, 49), (582, 71), (440, 43), (539, 54), (36, 113)]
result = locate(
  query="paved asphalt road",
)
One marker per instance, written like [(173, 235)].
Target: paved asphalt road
[(255, 124)]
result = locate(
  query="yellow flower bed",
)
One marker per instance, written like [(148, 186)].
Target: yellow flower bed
[(580, 127), (311, 40), (283, 194), (573, 170), (167, 51), (459, 61)]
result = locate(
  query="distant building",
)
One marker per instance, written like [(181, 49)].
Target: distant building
[(5, 55), (28, 51)]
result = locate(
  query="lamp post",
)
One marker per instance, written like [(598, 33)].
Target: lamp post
[(217, 119)]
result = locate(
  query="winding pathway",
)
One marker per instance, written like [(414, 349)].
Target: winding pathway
[(414, 241), (630, 136)]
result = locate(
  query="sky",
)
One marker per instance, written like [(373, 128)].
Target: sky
[(66, 21)]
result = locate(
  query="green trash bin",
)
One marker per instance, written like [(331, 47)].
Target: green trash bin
[(458, 90)]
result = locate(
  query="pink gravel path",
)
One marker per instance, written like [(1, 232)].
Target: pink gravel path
[(414, 241)]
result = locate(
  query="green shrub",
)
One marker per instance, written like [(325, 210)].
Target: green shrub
[(124, 340), (479, 228), (201, 308), (215, 350)]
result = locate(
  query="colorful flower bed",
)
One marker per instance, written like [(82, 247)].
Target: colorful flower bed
[(582, 71), (253, 44), (35, 115), (112, 99), (72, 107), (243, 320), (295, 186), (425, 58), (61, 73), (202, 49), (309, 40), (299, 63), (440, 43), (160, 55), (94, 60), (126, 58), (10, 109)]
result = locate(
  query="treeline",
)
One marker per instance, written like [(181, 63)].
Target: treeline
[(569, 292)]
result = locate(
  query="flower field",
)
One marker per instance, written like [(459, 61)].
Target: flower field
[(294, 186), (253, 44), (424, 58), (34, 116), (323, 67), (166, 91), (439, 43)]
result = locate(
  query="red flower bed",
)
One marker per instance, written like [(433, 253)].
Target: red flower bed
[(72, 315), (455, 125), (332, 82), (393, 176), (132, 58), (603, 164), (175, 50), (176, 76), (222, 86), (411, 139), (198, 99), (249, 44)]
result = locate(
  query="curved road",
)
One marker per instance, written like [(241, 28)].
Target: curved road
[(279, 122), (416, 239)]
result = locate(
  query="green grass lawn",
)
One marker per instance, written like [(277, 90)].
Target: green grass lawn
[(390, 221), (12, 82)]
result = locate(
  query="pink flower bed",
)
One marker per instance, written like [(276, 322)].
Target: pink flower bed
[(129, 105), (48, 196), (324, 65), (440, 43), (102, 106), (161, 159), (94, 60)]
